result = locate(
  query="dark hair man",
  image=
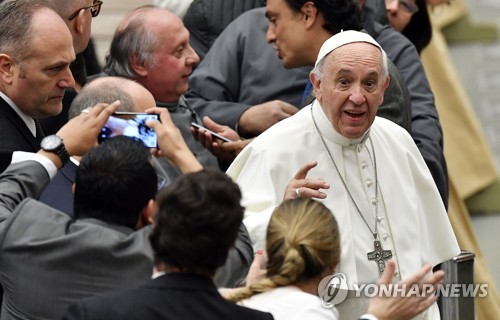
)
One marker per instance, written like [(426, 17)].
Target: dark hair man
[(196, 223)]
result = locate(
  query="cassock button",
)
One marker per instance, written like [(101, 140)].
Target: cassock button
[(374, 201), (364, 165), (369, 183), (385, 236), (380, 219)]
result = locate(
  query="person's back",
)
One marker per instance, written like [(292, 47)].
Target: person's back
[(206, 19), (49, 260), (196, 222), (241, 71)]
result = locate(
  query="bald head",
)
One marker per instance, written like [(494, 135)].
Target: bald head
[(133, 96)]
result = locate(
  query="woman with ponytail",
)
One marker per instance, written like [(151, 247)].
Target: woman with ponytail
[(303, 247)]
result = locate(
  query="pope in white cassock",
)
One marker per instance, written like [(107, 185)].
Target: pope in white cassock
[(367, 171)]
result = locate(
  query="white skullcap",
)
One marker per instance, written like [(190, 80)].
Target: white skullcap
[(343, 38)]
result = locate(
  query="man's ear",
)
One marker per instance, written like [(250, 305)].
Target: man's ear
[(79, 22), (146, 215), (310, 13), (316, 83), (7, 69), (386, 84), (139, 68), (387, 81)]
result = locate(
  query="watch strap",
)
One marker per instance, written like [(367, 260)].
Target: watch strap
[(62, 153)]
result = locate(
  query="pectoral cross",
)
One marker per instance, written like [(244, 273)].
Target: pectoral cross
[(379, 255)]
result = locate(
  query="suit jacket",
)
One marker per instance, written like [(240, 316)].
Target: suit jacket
[(14, 135), (59, 193), (49, 260), (171, 296)]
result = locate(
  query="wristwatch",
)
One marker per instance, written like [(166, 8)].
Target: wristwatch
[(54, 144)]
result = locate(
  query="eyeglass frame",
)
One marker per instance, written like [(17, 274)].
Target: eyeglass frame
[(94, 12), (408, 6)]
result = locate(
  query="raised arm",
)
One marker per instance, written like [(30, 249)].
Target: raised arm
[(28, 178)]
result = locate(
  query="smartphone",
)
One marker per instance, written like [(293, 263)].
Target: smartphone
[(214, 135), (130, 124)]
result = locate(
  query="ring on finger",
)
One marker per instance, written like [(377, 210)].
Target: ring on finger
[(297, 193)]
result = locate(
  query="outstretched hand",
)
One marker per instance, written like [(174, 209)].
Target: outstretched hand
[(171, 144), (301, 186), (80, 133), (257, 269), (261, 117), (406, 304), (221, 149)]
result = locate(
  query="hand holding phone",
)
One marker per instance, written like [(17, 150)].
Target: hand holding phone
[(214, 134), (130, 124)]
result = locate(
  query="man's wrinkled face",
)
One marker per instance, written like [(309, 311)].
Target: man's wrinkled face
[(174, 60), (352, 87), (39, 82)]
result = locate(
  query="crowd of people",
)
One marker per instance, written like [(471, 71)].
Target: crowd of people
[(335, 162)]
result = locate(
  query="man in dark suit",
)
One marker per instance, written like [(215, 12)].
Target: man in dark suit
[(36, 49), (78, 15), (195, 225), (49, 260)]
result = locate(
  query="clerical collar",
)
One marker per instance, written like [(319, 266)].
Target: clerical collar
[(329, 131)]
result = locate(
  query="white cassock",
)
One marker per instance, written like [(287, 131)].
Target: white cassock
[(412, 220)]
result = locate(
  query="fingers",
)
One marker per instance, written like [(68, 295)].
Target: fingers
[(212, 125), (312, 191), (257, 268), (303, 171), (104, 111), (427, 302), (418, 276), (300, 186), (386, 277), (289, 109)]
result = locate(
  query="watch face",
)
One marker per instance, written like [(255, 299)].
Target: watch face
[(50, 142)]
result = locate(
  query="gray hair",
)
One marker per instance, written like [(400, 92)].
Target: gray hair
[(16, 30), (132, 40), (320, 66), (108, 91)]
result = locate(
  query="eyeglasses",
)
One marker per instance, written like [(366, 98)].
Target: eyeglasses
[(406, 5), (94, 10)]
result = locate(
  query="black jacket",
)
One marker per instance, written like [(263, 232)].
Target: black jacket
[(172, 296)]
